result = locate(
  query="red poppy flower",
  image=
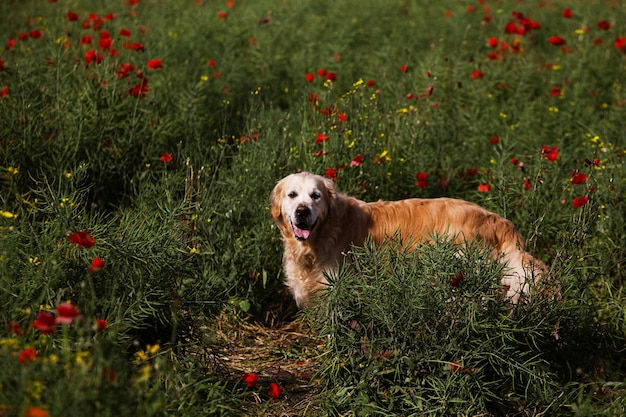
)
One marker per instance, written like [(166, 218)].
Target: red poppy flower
[(35, 34), (556, 40), (477, 74), (101, 325), (493, 42), (321, 137), (328, 111), (105, 43), (135, 46), (515, 161), (422, 179), (275, 390), (331, 76), (140, 90), (494, 140), (82, 239), (567, 13), (551, 154), (370, 83), (14, 327), (1, 65), (96, 265), (222, 14), (528, 25), (456, 281), (72, 16), (85, 40), (95, 21), (4, 92), (28, 354), (10, 44), (555, 91), (332, 174), (125, 70), (44, 322), (322, 72), (66, 313), (125, 32), (578, 178), (511, 28), (155, 64), (484, 188), (36, 412), (166, 157), (309, 77), (250, 379), (342, 117), (620, 43), (527, 184), (357, 161), (404, 68), (604, 25), (580, 201), (92, 56)]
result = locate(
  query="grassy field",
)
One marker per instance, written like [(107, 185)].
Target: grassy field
[(140, 272)]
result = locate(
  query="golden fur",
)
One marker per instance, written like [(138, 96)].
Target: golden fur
[(319, 225)]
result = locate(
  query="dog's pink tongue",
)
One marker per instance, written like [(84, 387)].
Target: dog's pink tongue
[(301, 233)]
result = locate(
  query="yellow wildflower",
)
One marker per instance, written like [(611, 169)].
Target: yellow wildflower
[(81, 357), (35, 388), (10, 344), (8, 215), (141, 356)]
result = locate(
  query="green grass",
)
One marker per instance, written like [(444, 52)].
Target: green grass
[(238, 102)]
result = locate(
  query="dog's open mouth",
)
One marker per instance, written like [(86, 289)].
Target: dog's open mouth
[(302, 231)]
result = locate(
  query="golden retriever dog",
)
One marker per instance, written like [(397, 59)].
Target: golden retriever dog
[(319, 225)]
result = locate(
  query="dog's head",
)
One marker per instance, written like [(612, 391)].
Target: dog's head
[(300, 203)]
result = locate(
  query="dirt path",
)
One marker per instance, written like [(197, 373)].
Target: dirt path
[(285, 355)]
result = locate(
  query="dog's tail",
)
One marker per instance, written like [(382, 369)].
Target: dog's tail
[(523, 271)]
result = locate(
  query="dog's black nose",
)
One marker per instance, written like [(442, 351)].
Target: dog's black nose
[(302, 212)]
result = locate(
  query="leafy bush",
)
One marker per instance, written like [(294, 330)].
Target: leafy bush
[(428, 331)]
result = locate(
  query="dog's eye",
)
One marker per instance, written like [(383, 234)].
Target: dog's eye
[(292, 194), (316, 196)]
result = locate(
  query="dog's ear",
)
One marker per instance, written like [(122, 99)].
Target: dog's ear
[(330, 188), (276, 198)]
